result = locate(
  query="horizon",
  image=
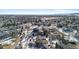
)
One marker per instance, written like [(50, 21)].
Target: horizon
[(37, 11)]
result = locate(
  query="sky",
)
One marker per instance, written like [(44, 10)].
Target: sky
[(37, 11)]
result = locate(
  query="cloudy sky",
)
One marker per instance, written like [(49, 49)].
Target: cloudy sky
[(37, 11)]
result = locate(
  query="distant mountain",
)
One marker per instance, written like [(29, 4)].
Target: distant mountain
[(68, 14), (75, 14)]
